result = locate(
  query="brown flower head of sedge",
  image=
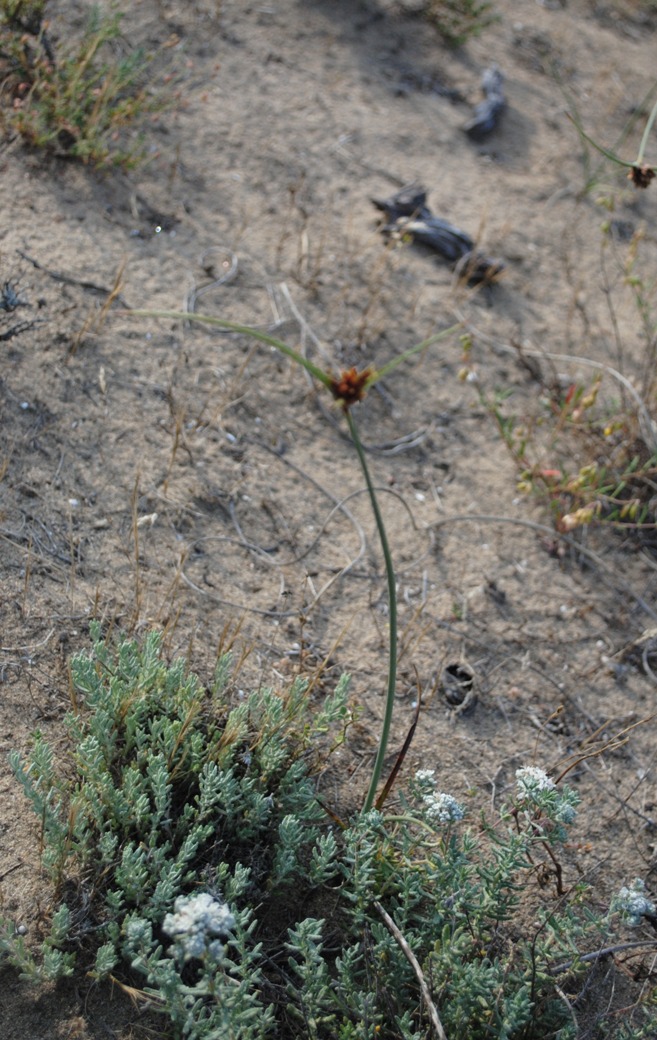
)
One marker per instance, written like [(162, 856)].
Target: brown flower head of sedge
[(350, 386), (641, 175)]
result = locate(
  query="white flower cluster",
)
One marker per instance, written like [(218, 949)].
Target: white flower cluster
[(426, 779), (196, 924), (531, 782), (633, 902), (439, 807), (443, 808), (538, 795)]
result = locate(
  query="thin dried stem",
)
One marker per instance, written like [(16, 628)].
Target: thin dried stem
[(436, 1024)]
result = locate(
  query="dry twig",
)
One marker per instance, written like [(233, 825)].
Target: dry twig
[(413, 961)]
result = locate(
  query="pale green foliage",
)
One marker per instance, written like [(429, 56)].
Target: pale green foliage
[(81, 97), (190, 858), (458, 20), (25, 15), (165, 780)]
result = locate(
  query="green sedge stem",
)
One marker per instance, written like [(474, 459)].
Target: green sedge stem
[(245, 330), (392, 616), (646, 134), (598, 147), (424, 345), (264, 337), (327, 380), (610, 155)]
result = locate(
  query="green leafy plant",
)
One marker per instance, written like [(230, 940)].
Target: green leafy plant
[(82, 100), (616, 482), (192, 864), (458, 20), (24, 15), (167, 784), (587, 449), (614, 486)]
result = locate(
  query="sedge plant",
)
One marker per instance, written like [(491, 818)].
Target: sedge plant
[(639, 171), (347, 389), (193, 865)]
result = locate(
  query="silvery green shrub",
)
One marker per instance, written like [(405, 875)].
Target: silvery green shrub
[(191, 858)]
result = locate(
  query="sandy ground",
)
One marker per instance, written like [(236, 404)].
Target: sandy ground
[(156, 473)]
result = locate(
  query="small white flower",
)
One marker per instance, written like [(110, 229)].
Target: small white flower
[(426, 779), (531, 781), (633, 902), (443, 808), (196, 924)]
